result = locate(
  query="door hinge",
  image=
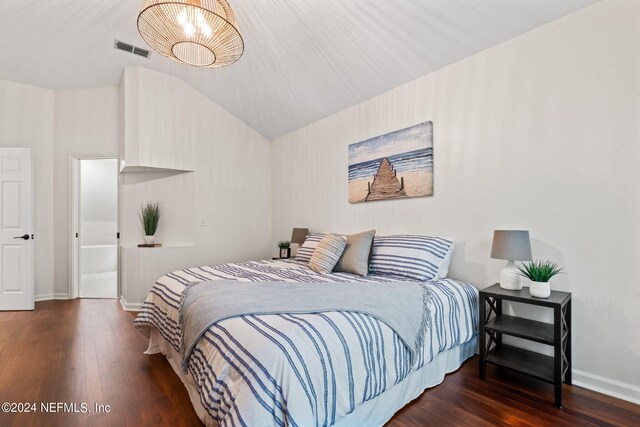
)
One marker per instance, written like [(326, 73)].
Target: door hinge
[(76, 235), (118, 235)]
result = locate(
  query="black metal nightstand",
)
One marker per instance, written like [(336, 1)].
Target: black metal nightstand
[(554, 369)]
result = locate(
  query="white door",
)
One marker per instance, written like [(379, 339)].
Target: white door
[(16, 226)]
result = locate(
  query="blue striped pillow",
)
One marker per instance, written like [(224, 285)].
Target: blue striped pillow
[(305, 251), (415, 257)]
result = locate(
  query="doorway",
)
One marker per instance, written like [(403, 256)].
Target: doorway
[(95, 228)]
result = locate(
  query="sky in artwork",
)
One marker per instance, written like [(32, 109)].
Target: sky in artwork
[(409, 139)]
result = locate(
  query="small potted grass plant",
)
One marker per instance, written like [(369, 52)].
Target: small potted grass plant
[(285, 248), (149, 218), (540, 272)]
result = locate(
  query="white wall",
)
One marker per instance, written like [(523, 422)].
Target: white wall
[(230, 186), (160, 128), (86, 126), (541, 133), (26, 120)]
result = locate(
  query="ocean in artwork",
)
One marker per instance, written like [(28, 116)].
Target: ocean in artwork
[(394, 165)]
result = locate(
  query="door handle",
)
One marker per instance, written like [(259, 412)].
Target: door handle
[(24, 237)]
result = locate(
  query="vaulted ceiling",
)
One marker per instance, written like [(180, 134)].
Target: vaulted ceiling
[(304, 59)]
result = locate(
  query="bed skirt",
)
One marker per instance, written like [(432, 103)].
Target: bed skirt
[(374, 412)]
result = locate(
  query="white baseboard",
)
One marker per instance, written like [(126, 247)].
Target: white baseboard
[(129, 306), (46, 297), (606, 386)]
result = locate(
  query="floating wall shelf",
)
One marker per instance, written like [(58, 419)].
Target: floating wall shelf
[(142, 169)]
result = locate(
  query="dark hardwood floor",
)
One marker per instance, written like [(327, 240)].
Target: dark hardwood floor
[(88, 351)]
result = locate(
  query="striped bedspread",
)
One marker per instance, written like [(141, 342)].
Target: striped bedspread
[(300, 370)]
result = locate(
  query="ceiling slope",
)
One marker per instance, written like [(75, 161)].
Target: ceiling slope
[(304, 59)]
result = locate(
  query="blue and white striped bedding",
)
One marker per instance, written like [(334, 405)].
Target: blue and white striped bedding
[(416, 257), (300, 370)]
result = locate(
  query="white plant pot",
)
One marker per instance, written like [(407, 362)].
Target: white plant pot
[(149, 239), (540, 289)]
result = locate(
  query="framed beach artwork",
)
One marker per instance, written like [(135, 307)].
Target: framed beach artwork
[(392, 166)]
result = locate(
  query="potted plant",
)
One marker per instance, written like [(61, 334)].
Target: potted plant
[(285, 248), (540, 272), (149, 218)]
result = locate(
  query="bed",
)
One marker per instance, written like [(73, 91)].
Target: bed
[(320, 369)]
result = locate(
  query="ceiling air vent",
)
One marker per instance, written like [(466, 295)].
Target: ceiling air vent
[(117, 44)]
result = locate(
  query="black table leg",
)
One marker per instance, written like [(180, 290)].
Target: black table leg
[(567, 352), (482, 337), (498, 314), (557, 371)]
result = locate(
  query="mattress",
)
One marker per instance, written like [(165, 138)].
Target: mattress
[(303, 370)]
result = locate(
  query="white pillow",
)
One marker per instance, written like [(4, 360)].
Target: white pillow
[(443, 271), (416, 257)]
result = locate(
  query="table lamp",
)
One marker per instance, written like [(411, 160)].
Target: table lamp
[(299, 235), (512, 245)]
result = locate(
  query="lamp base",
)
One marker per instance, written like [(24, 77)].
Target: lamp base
[(509, 278)]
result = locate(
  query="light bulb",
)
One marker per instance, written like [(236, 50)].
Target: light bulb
[(182, 17), (206, 30), (204, 27), (189, 29)]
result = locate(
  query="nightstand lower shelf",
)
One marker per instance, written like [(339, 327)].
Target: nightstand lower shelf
[(528, 362), (522, 328)]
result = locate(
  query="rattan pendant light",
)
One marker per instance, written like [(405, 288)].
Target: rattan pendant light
[(202, 33)]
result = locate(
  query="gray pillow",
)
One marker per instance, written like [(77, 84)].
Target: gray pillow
[(355, 258)]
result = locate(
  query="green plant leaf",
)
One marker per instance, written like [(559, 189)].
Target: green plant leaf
[(540, 270), (150, 217)]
